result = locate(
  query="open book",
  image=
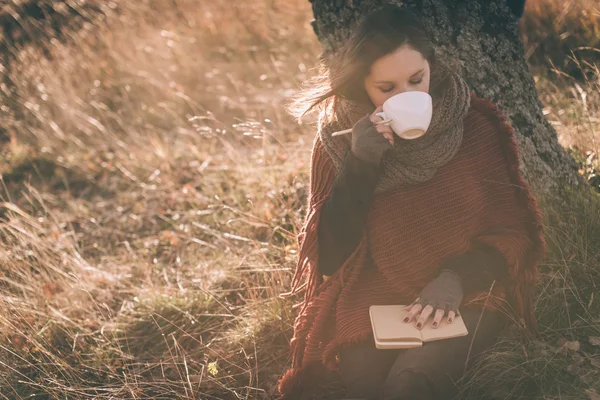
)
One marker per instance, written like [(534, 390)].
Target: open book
[(391, 332)]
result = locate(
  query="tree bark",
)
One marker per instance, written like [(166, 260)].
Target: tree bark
[(481, 39)]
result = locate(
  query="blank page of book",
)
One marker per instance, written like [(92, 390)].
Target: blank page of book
[(445, 330), (388, 325)]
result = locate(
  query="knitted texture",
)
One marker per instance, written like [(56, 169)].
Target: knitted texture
[(479, 196), (408, 161), (445, 292), (367, 143)]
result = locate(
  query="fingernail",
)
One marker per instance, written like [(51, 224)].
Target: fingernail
[(435, 324), (449, 319), (419, 325), (406, 319)]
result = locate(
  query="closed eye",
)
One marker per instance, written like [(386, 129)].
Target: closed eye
[(389, 89)]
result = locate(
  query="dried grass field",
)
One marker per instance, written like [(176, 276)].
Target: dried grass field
[(153, 185)]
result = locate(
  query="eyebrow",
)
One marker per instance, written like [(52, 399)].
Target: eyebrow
[(416, 73)]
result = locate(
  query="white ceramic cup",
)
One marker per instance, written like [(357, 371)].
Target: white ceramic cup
[(411, 113)]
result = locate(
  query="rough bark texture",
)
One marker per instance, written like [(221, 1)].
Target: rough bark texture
[(481, 39)]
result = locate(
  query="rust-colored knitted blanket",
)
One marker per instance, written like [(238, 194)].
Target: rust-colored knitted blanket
[(478, 196)]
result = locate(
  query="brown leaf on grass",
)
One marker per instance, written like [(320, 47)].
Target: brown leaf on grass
[(50, 289), (574, 345), (592, 394), (18, 341), (571, 345), (595, 340), (170, 237), (138, 208), (55, 234)]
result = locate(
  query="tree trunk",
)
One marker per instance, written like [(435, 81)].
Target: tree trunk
[(483, 36)]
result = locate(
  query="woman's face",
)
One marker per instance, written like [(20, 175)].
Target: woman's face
[(403, 70)]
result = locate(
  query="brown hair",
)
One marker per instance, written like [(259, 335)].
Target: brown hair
[(379, 33)]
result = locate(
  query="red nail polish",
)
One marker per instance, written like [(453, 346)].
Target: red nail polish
[(435, 324), (450, 320), (406, 319), (419, 325)]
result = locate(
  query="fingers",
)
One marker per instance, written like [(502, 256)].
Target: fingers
[(439, 314), (374, 117), (415, 308), (408, 307), (424, 316), (451, 315), (413, 311), (386, 131)]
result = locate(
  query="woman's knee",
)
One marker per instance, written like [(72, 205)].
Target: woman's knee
[(406, 384), (360, 379), (363, 370)]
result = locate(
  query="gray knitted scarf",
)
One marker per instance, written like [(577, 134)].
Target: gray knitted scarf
[(410, 161)]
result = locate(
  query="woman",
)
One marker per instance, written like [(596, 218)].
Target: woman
[(441, 222)]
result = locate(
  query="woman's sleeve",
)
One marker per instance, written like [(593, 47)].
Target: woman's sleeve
[(344, 213), (478, 268), (322, 174)]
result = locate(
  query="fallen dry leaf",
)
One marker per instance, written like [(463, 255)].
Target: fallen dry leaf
[(571, 345), (592, 394), (50, 289)]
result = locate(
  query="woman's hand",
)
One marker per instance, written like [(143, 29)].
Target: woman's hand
[(442, 295), (384, 129), (370, 141)]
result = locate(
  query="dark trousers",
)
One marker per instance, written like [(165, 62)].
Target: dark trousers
[(429, 372)]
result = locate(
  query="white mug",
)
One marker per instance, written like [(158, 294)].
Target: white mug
[(411, 113)]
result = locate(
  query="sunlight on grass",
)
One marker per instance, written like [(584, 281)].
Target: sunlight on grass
[(152, 188)]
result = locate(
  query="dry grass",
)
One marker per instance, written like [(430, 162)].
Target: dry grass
[(562, 35), (151, 196)]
